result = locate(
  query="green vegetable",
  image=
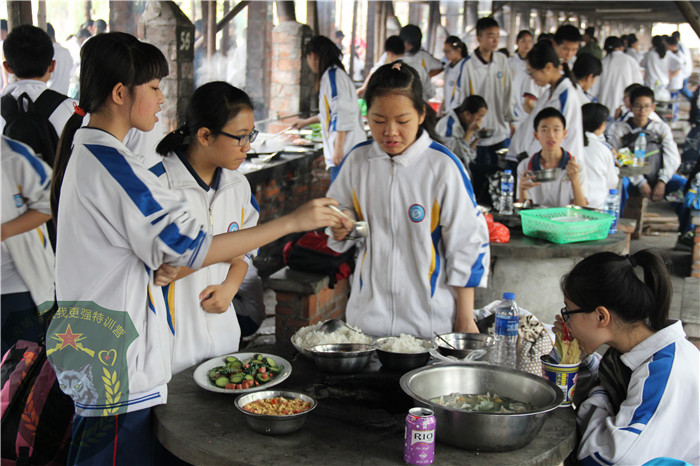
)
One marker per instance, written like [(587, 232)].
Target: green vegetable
[(221, 382), (259, 369)]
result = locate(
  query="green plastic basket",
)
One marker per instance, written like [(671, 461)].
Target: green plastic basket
[(563, 225)]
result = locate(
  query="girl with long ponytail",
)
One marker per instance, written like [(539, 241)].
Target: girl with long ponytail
[(648, 378)]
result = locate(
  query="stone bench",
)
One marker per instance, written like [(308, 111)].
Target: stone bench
[(304, 299)]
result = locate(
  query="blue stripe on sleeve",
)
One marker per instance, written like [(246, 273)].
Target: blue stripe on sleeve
[(654, 385), (450, 123), (331, 78), (22, 150), (166, 289), (477, 272), (121, 171), (436, 236), (460, 166), (254, 203), (158, 169), (562, 100), (364, 143)]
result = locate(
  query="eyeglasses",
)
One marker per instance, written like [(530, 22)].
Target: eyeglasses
[(565, 313), (642, 107), (242, 140)]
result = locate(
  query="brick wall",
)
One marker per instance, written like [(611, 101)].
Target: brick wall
[(295, 310)]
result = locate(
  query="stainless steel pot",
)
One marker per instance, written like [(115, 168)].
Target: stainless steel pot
[(483, 431), (274, 425)]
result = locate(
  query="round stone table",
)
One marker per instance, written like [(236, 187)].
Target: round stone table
[(359, 420)]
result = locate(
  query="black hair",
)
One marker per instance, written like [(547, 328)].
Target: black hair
[(328, 55), (676, 35), (631, 88), (545, 37), (612, 43), (631, 40), (594, 115), (394, 44), (522, 34), (211, 106), (105, 61), (456, 43), (590, 32), (51, 31), (471, 104), (670, 40), (504, 51), (100, 26), (412, 35), (568, 33), (28, 51), (657, 42), (88, 23), (401, 79), (83, 33), (543, 53), (587, 64), (549, 112), (641, 91), (608, 279), (487, 22)]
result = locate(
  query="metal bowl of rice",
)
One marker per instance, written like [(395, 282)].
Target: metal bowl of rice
[(403, 353), (342, 358), (308, 337)]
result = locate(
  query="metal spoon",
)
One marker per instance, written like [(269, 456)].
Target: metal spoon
[(361, 227), (332, 325), (448, 343)]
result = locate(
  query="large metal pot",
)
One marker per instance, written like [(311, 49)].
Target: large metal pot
[(483, 431)]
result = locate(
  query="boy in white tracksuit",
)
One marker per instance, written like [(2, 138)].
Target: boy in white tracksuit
[(425, 237), (660, 415), (226, 205), (619, 71), (27, 258)]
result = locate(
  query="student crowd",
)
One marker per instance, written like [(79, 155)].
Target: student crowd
[(155, 237)]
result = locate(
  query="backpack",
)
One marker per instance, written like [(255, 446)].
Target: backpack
[(36, 416), (28, 122), (311, 254)]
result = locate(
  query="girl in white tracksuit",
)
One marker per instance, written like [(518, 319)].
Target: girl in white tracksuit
[(110, 342), (641, 401), (619, 71), (339, 111), (455, 74), (543, 66), (428, 243), (198, 168), (602, 173), (27, 256)]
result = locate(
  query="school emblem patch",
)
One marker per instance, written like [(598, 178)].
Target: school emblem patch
[(416, 213), (499, 74), (233, 227), (19, 200)]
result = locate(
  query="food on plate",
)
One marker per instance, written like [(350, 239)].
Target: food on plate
[(301, 142), (405, 344), (308, 337), (278, 406), (241, 375), (487, 403)]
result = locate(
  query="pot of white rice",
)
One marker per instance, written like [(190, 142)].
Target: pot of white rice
[(403, 353), (308, 337)]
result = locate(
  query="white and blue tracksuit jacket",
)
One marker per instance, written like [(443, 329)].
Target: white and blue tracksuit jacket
[(426, 236), (660, 416), (116, 225)]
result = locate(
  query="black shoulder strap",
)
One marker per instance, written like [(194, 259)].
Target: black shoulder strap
[(48, 101), (8, 107)]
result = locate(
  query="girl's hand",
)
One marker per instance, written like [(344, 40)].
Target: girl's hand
[(558, 325), (300, 123), (339, 234), (165, 275), (572, 169), (216, 299), (315, 214)]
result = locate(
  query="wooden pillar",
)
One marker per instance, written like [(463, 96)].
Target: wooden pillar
[(452, 19), (209, 14), (285, 10), (433, 22), (18, 12), (41, 14), (225, 36), (259, 53), (414, 13), (353, 35), (312, 16), (326, 18), (372, 33), (87, 9), (121, 17)]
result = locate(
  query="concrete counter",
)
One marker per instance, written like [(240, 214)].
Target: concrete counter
[(359, 420)]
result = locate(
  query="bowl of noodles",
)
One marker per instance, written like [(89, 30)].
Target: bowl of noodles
[(483, 407)]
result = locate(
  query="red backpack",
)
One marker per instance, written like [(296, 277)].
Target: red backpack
[(311, 253)]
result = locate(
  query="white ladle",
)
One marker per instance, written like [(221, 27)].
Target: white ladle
[(361, 228)]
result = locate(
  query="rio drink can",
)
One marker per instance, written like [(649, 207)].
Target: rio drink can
[(419, 438)]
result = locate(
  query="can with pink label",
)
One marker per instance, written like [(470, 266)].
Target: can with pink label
[(419, 438)]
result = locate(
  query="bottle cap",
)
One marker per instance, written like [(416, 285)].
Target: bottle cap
[(509, 296), (613, 191), (508, 172), (642, 133)]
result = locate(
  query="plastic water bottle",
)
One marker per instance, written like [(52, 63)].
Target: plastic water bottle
[(506, 332), (507, 188), (612, 207), (640, 150)]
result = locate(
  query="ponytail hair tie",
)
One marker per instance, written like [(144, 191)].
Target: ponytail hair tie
[(631, 260), (396, 66), (78, 110)]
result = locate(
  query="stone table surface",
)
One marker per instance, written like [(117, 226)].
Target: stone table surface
[(359, 420)]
